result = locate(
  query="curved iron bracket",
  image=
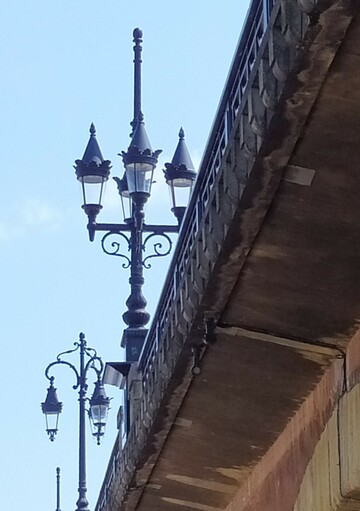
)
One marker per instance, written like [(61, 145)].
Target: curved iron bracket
[(115, 249), (159, 251), (94, 363), (77, 346), (64, 362)]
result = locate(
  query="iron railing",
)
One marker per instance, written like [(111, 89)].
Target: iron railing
[(245, 56)]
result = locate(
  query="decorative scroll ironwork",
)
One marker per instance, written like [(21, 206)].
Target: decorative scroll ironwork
[(116, 247), (91, 363), (159, 251)]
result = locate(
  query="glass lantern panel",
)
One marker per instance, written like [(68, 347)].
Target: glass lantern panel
[(96, 413), (126, 205), (179, 195), (93, 190), (52, 421), (99, 413), (139, 177)]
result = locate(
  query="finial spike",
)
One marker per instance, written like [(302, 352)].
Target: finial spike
[(182, 155), (137, 34), (92, 129)]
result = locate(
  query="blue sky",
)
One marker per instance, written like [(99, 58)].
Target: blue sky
[(64, 65)]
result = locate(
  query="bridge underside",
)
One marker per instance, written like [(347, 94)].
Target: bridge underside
[(301, 278), (271, 420)]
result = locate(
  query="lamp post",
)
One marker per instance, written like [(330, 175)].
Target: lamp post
[(135, 189), (58, 489), (98, 409)]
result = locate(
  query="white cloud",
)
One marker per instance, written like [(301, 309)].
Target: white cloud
[(32, 213), (37, 212)]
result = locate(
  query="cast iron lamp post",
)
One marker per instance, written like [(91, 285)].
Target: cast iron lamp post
[(98, 409), (135, 189)]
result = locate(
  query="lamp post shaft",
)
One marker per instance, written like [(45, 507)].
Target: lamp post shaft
[(137, 76), (136, 317), (82, 503), (57, 489)]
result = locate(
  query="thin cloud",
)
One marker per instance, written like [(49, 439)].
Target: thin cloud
[(37, 212), (32, 213)]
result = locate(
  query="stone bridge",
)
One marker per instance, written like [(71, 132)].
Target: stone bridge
[(246, 393)]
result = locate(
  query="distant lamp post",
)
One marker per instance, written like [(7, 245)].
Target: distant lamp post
[(58, 489), (98, 409), (134, 190)]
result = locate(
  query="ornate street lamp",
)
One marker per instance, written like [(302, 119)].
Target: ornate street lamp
[(92, 172), (52, 408), (134, 190), (180, 176), (98, 409)]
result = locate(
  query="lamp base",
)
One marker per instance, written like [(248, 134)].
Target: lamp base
[(179, 212), (133, 340)]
